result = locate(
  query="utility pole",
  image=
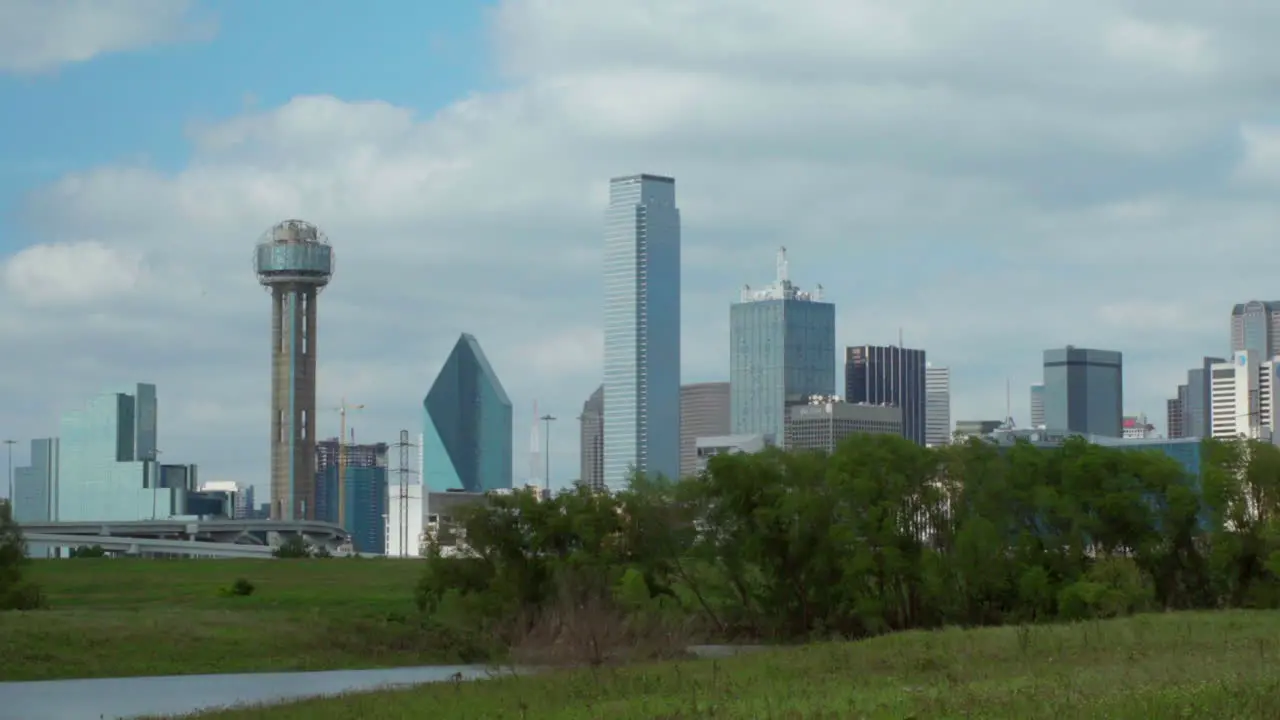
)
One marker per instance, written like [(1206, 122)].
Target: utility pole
[(342, 461), (10, 444), (546, 440)]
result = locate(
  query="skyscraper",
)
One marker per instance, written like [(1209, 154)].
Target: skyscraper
[(1243, 402), (294, 262), (467, 421), (782, 351), (1083, 391), (641, 329), (1255, 325), (591, 441), (704, 412), (365, 487), (1037, 405), (888, 375), (937, 405), (35, 486), (1196, 403), (1176, 415)]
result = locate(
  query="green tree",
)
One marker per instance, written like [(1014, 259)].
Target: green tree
[(16, 592)]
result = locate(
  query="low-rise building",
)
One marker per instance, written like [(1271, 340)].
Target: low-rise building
[(826, 420)]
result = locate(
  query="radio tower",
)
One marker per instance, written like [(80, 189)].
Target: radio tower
[(402, 500), (294, 262)]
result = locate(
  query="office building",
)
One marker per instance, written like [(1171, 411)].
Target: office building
[(1255, 325), (35, 486), (781, 352), (966, 429), (591, 441), (708, 447), (824, 422), (1135, 427), (107, 462), (363, 491), (294, 262), (1195, 398), (641, 329), (467, 420), (937, 405), (242, 497), (888, 375), (1242, 397), (1175, 415), (1037, 405), (704, 412), (1083, 390)]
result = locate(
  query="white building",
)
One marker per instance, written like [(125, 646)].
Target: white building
[(404, 519), (937, 405), (1241, 396), (1135, 427), (708, 447)]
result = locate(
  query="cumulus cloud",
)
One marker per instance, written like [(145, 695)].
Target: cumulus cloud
[(39, 35), (71, 274), (990, 181)]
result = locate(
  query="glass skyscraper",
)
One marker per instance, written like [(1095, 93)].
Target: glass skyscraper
[(1083, 391), (467, 419), (1255, 326), (889, 375), (641, 329), (35, 486), (782, 351)]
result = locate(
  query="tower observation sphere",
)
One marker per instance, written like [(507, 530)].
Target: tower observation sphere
[(294, 262)]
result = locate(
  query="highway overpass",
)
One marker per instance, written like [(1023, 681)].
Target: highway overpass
[(208, 538)]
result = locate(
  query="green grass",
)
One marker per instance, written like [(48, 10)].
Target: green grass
[(123, 617), (1195, 665)]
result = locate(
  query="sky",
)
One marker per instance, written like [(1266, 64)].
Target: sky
[(989, 181)]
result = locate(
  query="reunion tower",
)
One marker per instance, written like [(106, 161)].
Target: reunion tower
[(294, 261)]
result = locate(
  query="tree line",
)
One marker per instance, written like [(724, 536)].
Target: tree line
[(880, 535)]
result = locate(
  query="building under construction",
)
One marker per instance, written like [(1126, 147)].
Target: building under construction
[(365, 486)]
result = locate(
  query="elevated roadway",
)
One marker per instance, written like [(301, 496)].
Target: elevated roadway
[(221, 538)]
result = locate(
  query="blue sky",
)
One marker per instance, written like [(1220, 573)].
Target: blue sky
[(134, 107)]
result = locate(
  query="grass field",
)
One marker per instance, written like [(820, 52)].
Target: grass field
[(123, 617), (1205, 665)]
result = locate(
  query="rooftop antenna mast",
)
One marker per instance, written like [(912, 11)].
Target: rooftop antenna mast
[(405, 476), (782, 266)]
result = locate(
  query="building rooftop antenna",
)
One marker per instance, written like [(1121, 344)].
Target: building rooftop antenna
[(782, 265)]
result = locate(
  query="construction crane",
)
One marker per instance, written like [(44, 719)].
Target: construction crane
[(342, 460)]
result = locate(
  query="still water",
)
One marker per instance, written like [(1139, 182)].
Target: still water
[(176, 695)]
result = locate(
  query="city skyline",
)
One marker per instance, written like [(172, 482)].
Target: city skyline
[(125, 251)]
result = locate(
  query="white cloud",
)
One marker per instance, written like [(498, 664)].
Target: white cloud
[(39, 35), (991, 180), (76, 274)]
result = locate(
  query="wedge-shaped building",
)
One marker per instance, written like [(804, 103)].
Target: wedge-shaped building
[(467, 425)]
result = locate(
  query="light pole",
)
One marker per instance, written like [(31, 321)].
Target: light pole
[(10, 444), (546, 453)]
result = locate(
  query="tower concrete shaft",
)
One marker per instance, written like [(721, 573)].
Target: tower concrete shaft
[(293, 401)]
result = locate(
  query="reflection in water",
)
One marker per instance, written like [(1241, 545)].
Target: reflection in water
[(180, 694)]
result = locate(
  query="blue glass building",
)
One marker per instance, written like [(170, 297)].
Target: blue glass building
[(782, 351), (889, 375), (35, 486), (366, 494), (1084, 391), (641, 329), (107, 462), (467, 425)]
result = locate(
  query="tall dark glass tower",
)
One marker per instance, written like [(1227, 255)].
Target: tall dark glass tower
[(467, 425), (888, 375)]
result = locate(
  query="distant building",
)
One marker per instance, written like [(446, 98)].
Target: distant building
[(108, 465), (888, 375), (966, 429), (405, 516), (1135, 427), (1186, 451), (35, 487), (1242, 396), (782, 350), (1196, 402), (937, 405), (591, 441), (826, 421), (365, 491), (1255, 325), (1037, 405), (708, 447), (641, 329), (242, 497), (704, 412), (1175, 415), (1084, 390), (467, 418)]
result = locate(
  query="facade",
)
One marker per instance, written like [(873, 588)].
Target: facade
[(1195, 405), (937, 405), (1242, 397), (966, 429), (294, 262), (641, 329), (1135, 427), (1084, 390), (591, 441), (1175, 415), (825, 421), (704, 412), (364, 492), (1255, 325), (107, 462), (708, 447), (782, 351), (35, 487), (467, 420), (888, 375), (1186, 451), (1037, 405), (242, 497)]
